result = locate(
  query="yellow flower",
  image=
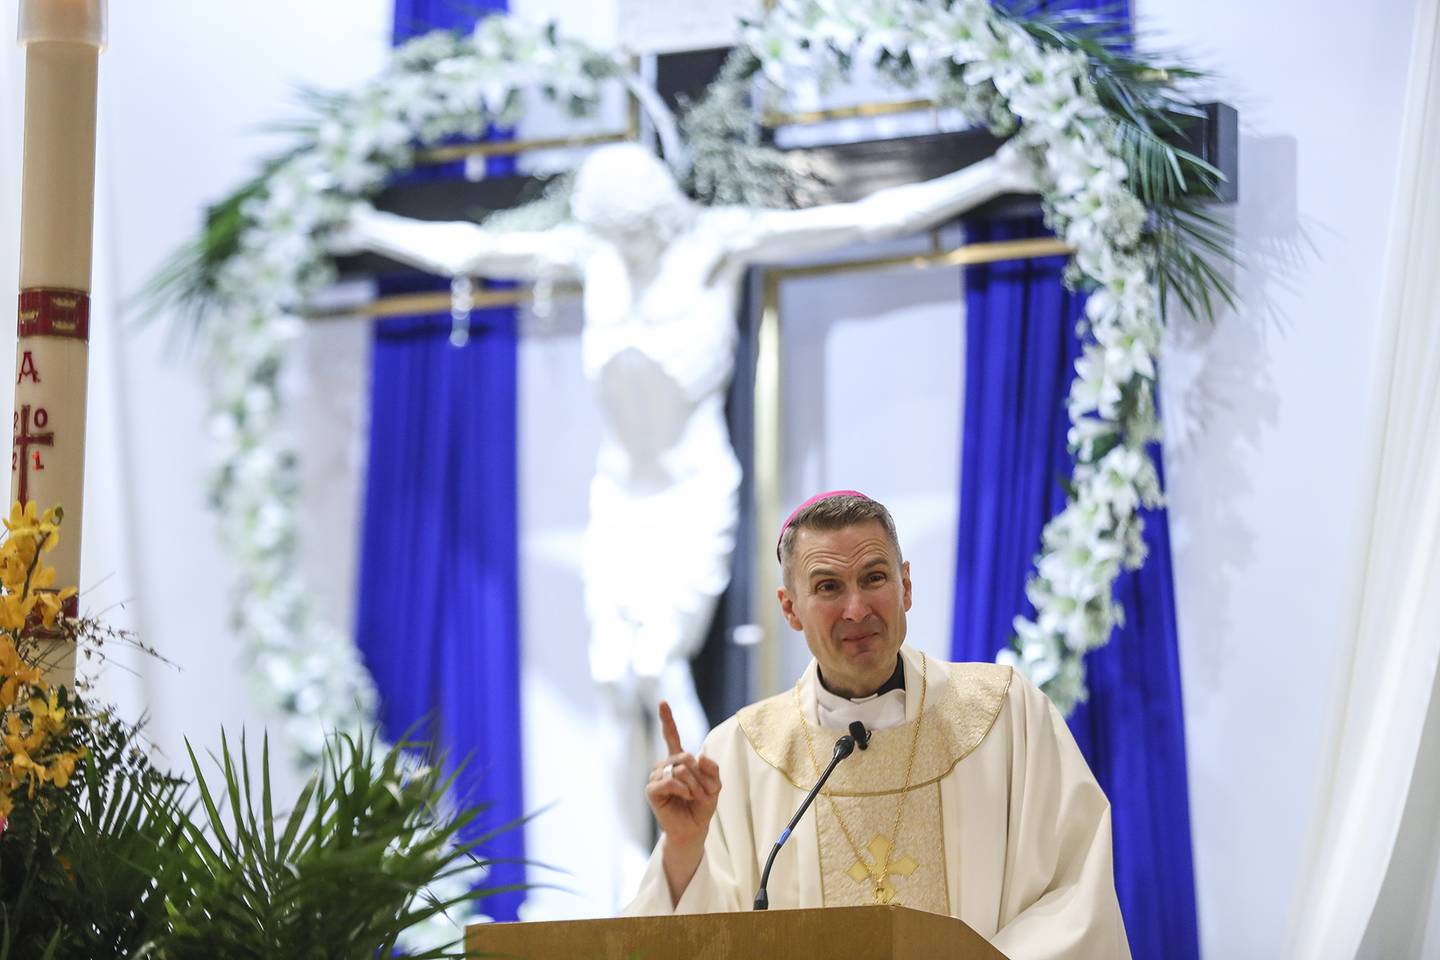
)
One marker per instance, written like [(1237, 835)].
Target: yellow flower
[(21, 516), (28, 534), (47, 716), (22, 577), (51, 603), (12, 613), (9, 657), (15, 564), (61, 768), (10, 691), (27, 595), (13, 610), (23, 769), (15, 673), (18, 742)]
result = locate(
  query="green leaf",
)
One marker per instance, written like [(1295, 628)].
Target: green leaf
[(342, 877)]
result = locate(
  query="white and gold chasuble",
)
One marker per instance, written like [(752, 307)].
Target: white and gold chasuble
[(1003, 826), (865, 788)]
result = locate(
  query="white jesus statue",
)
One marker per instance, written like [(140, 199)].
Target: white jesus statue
[(661, 277)]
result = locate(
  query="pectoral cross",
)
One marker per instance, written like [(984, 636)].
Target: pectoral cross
[(883, 870)]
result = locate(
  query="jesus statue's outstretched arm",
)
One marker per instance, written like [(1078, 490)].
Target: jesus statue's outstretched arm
[(888, 212), (460, 248)]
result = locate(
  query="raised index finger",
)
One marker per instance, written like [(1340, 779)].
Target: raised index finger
[(668, 730)]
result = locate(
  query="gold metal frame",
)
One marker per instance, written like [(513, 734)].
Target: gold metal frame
[(508, 148), (438, 301), (767, 426), (781, 118)]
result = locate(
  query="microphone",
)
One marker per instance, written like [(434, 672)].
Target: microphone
[(845, 746)]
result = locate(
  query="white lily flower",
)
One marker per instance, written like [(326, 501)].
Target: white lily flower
[(961, 29), (1037, 658), (1086, 434), (1002, 48), (1136, 549), (1072, 620), (1127, 300), (1118, 479), (1126, 354), (1095, 388)]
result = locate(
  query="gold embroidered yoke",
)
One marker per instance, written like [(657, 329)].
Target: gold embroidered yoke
[(1004, 827), (864, 792)]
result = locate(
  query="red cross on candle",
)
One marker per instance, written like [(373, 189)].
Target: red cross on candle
[(20, 453)]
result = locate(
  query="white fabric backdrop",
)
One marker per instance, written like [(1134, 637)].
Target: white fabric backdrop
[(1268, 444), (1395, 643)]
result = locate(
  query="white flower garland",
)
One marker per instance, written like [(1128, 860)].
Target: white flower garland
[(999, 75), (436, 86), (441, 85)]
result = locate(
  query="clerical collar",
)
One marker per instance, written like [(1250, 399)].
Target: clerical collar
[(881, 710), (896, 682)]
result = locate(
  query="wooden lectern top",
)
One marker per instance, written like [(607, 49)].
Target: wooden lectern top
[(849, 933)]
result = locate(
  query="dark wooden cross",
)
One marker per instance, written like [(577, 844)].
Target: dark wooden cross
[(20, 452), (849, 170)]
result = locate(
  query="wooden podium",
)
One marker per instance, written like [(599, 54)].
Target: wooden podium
[(846, 933)]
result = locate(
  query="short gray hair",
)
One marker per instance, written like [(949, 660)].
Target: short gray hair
[(834, 513)]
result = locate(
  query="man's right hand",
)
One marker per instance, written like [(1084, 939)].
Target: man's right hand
[(683, 791)]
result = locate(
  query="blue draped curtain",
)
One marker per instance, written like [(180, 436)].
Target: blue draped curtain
[(438, 617), (1020, 349)]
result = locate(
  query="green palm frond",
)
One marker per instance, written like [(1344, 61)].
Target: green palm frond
[(1193, 247), (336, 876)]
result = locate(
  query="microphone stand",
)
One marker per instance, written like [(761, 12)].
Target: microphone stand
[(843, 748)]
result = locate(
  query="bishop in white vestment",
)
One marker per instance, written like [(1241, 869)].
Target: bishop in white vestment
[(971, 800)]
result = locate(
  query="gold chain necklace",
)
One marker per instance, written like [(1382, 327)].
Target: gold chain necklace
[(880, 871)]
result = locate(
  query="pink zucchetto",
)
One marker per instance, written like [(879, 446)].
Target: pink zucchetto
[(813, 500)]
